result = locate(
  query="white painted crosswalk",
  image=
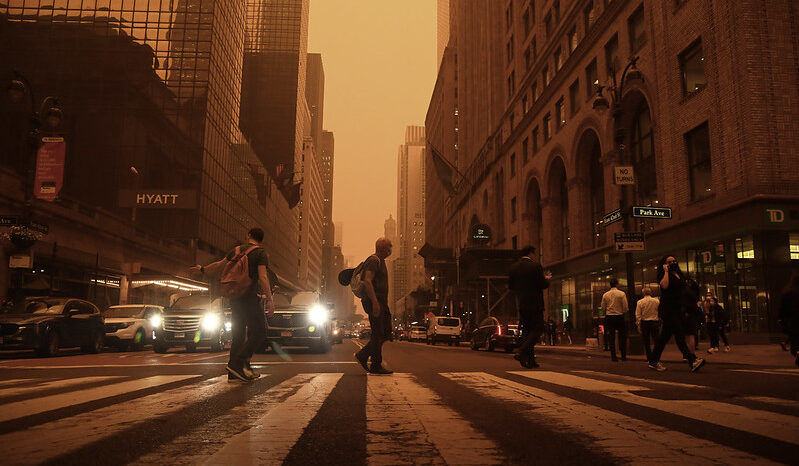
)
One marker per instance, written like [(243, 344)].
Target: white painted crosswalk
[(407, 421)]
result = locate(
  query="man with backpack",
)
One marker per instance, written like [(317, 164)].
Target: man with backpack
[(243, 273), (373, 291)]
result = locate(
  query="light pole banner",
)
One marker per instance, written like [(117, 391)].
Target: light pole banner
[(49, 168)]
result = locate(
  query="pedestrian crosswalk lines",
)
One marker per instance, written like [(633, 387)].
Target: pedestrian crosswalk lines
[(769, 371), (406, 420)]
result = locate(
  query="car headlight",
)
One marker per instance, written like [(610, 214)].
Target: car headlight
[(335, 332), (155, 320), (319, 315), (211, 322)]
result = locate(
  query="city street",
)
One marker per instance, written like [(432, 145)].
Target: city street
[(443, 405)]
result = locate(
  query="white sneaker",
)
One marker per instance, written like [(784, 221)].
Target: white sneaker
[(697, 364), (726, 349), (658, 367)]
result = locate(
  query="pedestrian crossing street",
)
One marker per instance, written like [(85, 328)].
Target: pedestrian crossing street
[(407, 420)]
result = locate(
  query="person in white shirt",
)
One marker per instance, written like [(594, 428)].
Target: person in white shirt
[(646, 319), (614, 302)]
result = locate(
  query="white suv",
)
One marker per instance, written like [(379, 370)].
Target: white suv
[(131, 325), (445, 329)]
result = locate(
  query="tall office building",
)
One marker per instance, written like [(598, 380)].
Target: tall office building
[(409, 265), (329, 274), (309, 209), (390, 232), (315, 96), (442, 28), (338, 238)]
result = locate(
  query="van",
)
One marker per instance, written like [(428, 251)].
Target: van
[(444, 329)]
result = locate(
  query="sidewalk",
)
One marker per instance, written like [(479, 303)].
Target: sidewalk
[(770, 355)]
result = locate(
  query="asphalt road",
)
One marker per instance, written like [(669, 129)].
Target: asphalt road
[(443, 405)]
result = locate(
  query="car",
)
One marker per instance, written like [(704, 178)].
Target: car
[(336, 332), (300, 320), (444, 329), (402, 335), (491, 334), (131, 325), (417, 333), (192, 321), (46, 324)]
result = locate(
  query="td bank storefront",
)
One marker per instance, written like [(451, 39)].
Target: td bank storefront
[(744, 256)]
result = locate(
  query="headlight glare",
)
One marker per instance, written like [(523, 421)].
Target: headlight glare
[(155, 320), (319, 315), (210, 322)]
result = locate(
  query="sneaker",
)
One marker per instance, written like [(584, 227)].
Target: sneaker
[(380, 371), (726, 349), (697, 364), (711, 350), (362, 361), (249, 371), (530, 364), (238, 374), (657, 366)]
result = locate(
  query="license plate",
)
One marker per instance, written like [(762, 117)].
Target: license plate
[(179, 335), (285, 334)]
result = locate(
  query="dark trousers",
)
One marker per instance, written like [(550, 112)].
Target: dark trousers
[(713, 334), (248, 330), (532, 327), (649, 330), (381, 332), (613, 324), (723, 334), (672, 326)]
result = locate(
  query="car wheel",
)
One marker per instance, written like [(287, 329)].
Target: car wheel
[(95, 346), (491, 345), (191, 347), (160, 348), (138, 340), (218, 344), (49, 346)]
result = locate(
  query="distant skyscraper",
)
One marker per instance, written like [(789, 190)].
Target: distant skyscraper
[(310, 220), (409, 268), (326, 167), (339, 236), (390, 232), (443, 27), (315, 96)]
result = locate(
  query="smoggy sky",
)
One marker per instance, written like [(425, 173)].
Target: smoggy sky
[(379, 58)]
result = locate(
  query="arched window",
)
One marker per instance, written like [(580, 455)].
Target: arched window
[(597, 189), (642, 151), (559, 200), (533, 217)]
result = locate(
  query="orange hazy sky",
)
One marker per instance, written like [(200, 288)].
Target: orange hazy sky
[(379, 58)]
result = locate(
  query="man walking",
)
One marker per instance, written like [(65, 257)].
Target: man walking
[(527, 280), (646, 319), (248, 319), (375, 304), (614, 302)]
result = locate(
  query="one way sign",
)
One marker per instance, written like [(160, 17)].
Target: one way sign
[(629, 241)]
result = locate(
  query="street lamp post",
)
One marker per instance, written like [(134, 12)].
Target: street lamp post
[(601, 104)]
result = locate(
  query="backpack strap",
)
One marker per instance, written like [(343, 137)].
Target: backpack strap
[(240, 253)]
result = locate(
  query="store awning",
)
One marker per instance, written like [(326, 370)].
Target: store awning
[(168, 281)]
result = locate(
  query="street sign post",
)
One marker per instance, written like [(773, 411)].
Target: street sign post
[(629, 241), (663, 213), (623, 175), (612, 217)]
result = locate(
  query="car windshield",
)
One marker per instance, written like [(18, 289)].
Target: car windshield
[(123, 311), (418, 328), (449, 322), (304, 298), (192, 302), (40, 306)]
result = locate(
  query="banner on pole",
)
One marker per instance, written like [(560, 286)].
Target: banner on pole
[(49, 168)]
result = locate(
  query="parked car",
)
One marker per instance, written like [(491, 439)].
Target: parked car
[(46, 325), (417, 333), (444, 329), (192, 321), (491, 334), (131, 325), (300, 320)]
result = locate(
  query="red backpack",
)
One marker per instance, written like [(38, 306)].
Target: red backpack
[(236, 275)]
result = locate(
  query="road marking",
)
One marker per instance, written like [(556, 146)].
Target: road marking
[(203, 358), (624, 437), (65, 383), (62, 400), (773, 401), (765, 423), (358, 344), (280, 363), (769, 371), (638, 379), (270, 440), (407, 422), (46, 441), (158, 364), (15, 382)]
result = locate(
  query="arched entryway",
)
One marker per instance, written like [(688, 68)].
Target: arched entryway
[(592, 173), (533, 215), (558, 194), (641, 147)]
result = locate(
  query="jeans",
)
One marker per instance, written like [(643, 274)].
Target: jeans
[(248, 330), (672, 326), (613, 324), (381, 332), (649, 330), (723, 334), (532, 327)]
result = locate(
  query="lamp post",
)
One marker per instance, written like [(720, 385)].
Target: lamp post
[(631, 74)]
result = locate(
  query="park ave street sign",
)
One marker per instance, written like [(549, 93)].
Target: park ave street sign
[(652, 212), (629, 241)]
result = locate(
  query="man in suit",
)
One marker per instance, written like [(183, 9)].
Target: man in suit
[(528, 282)]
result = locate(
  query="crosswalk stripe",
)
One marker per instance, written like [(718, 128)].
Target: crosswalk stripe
[(773, 401), (638, 379), (622, 436), (273, 436), (66, 383), (46, 441), (407, 422), (48, 403), (769, 371), (16, 382), (765, 423)]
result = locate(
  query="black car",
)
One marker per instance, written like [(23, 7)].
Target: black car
[(46, 324), (300, 321), (192, 321), (491, 334)]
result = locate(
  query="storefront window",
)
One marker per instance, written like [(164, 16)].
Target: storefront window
[(745, 248), (793, 238)]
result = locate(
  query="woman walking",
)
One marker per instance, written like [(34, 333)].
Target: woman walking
[(672, 286)]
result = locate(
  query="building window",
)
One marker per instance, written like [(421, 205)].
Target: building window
[(642, 147), (533, 51), (612, 55), (556, 10), (509, 16), (528, 62), (560, 113), (511, 84), (637, 30), (527, 21), (525, 150), (591, 79), (513, 211), (512, 120), (692, 66), (574, 97), (535, 140), (558, 59), (548, 24), (513, 164), (547, 127), (793, 239), (745, 248), (509, 50), (545, 76), (534, 90), (525, 108), (589, 16), (697, 142), (514, 243), (572, 37)]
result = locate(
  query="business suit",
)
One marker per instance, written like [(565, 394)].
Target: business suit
[(526, 279)]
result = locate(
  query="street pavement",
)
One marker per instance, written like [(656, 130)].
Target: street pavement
[(443, 405)]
